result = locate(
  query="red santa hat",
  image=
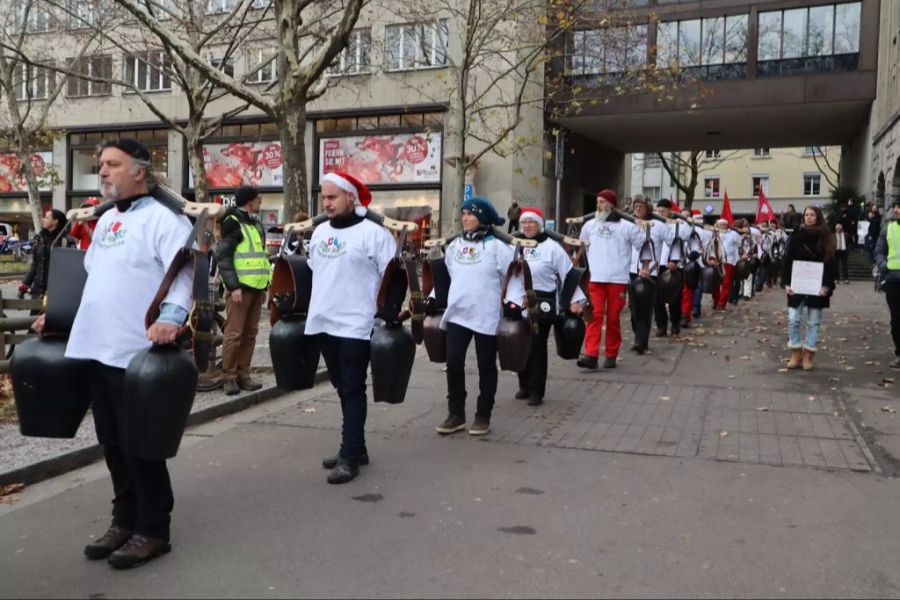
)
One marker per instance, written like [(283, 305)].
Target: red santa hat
[(352, 186), (532, 214)]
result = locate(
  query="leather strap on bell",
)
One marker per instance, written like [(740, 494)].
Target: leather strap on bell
[(517, 266), (417, 299), (577, 277), (199, 324), (399, 276)]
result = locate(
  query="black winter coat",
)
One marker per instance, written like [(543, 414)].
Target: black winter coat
[(231, 239), (802, 246), (39, 272)]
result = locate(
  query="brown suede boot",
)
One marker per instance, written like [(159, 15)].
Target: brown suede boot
[(808, 356), (795, 359), (230, 386)]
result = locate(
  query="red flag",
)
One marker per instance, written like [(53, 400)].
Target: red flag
[(726, 210), (764, 212)]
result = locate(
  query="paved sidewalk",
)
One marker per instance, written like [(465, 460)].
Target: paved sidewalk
[(700, 469)]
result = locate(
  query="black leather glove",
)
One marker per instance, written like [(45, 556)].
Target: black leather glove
[(431, 307)]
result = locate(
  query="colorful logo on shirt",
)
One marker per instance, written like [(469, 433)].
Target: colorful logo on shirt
[(468, 255), (332, 248), (532, 253), (111, 235)]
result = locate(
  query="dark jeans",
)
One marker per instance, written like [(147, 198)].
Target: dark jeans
[(892, 293), (458, 338), (534, 377), (143, 499), (346, 360), (841, 256), (760, 278), (640, 318), (665, 311)]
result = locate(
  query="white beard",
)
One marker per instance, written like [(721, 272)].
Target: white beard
[(602, 216)]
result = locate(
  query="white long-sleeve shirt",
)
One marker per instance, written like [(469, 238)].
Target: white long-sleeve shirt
[(477, 269), (347, 264), (612, 242), (660, 236), (549, 264), (731, 242), (126, 262), (684, 231)]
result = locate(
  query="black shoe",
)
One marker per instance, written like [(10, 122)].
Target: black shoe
[(452, 424), (609, 362), (661, 333), (480, 426), (535, 401), (345, 470), (522, 395), (138, 550), (114, 538), (635, 348), (587, 362), (696, 314), (641, 350), (685, 324), (332, 461)]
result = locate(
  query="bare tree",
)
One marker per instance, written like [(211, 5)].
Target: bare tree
[(308, 36), (831, 172), (29, 91), (684, 169), (152, 66)]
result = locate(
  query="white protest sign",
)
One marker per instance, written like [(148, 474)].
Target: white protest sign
[(806, 277)]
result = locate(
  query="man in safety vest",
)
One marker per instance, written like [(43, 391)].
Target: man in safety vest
[(245, 271), (887, 257)]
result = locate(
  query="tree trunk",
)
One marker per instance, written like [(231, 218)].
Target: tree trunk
[(292, 125), (451, 215), (34, 192), (195, 159)]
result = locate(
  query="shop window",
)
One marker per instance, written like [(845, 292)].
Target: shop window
[(389, 121), (411, 120), (367, 123), (268, 130), (345, 124), (85, 169), (434, 120)]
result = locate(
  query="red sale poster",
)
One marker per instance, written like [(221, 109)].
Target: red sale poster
[(384, 159)]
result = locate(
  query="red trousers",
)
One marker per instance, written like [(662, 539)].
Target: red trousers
[(687, 303), (608, 300), (720, 299)]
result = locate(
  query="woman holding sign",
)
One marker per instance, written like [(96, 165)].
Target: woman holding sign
[(809, 276)]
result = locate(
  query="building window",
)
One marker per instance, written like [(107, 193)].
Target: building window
[(147, 72), (99, 67), (712, 154), (220, 6), (31, 17), (262, 66), (760, 183), (33, 83), (711, 187), (652, 161), (226, 65), (761, 152), (609, 50), (815, 38), (416, 46), (84, 14), (812, 185), (716, 46), (354, 59)]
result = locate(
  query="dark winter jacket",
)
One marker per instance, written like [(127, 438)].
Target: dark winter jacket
[(37, 275), (231, 238), (802, 245)]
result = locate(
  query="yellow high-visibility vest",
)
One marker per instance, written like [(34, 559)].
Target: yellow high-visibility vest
[(250, 260)]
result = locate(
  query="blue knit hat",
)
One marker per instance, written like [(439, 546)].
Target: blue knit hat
[(484, 210)]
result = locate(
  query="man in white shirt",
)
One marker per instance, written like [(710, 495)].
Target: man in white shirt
[(348, 257), (133, 246)]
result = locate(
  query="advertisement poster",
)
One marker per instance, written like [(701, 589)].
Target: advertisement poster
[(13, 180), (233, 165), (384, 159)]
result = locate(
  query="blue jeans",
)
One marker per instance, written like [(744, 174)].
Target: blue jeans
[(813, 322)]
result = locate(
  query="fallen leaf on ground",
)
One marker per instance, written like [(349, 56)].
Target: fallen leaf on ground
[(888, 409), (309, 410), (731, 377), (7, 492), (665, 398), (782, 370), (888, 380), (723, 434), (762, 408)]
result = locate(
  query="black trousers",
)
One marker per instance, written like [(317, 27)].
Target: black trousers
[(641, 319), (458, 338), (534, 378), (841, 256), (666, 311), (892, 294), (143, 498), (346, 360)]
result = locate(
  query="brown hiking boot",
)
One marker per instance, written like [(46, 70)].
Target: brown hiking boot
[(795, 359), (230, 385), (808, 356), (114, 538), (248, 384), (138, 550)]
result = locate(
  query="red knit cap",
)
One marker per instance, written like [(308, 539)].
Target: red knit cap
[(609, 196)]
